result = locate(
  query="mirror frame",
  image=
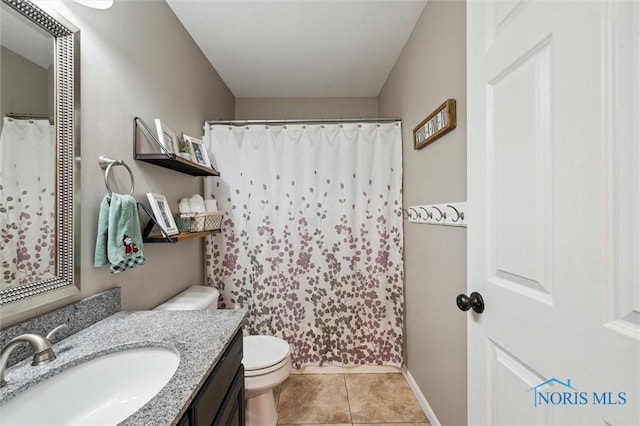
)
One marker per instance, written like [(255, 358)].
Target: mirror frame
[(66, 281)]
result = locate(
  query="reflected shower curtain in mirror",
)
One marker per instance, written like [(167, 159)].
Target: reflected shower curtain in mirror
[(311, 242), (27, 201)]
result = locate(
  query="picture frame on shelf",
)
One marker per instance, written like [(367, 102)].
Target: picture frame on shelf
[(200, 155), (162, 213), (167, 137)]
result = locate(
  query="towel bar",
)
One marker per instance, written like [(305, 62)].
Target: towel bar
[(106, 163)]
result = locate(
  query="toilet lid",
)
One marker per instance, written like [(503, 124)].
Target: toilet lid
[(263, 351)]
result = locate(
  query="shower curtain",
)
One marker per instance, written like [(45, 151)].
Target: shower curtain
[(311, 242), (27, 201)]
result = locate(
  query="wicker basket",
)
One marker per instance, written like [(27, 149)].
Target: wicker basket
[(199, 222)]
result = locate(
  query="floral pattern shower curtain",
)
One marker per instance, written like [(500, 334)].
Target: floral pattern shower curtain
[(311, 242), (27, 202)]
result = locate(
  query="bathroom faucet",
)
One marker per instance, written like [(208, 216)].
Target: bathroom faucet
[(41, 346)]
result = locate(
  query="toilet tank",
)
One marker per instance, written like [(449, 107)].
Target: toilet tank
[(195, 298)]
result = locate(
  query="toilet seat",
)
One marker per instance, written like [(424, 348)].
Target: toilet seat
[(264, 354), (263, 371)]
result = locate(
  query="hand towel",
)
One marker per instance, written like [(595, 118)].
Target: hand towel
[(184, 206), (197, 204), (211, 205), (119, 241)]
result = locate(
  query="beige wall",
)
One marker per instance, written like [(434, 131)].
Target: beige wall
[(24, 85), (138, 60), (290, 108), (431, 69)]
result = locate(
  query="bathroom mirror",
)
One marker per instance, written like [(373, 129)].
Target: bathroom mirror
[(37, 262)]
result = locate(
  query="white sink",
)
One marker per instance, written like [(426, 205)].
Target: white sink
[(101, 391)]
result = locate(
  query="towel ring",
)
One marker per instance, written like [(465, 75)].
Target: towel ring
[(106, 163)]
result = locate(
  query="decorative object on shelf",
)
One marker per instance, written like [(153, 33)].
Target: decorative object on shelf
[(162, 236), (185, 150), (439, 122), (200, 222), (160, 156), (162, 213), (166, 137), (151, 223), (211, 205), (183, 223), (184, 206), (198, 215), (200, 155), (196, 203)]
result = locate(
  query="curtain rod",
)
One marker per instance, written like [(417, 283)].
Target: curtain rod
[(28, 116), (303, 121)]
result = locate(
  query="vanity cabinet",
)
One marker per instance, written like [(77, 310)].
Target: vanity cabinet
[(220, 401)]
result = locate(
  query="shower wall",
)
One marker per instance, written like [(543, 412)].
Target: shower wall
[(26, 87)]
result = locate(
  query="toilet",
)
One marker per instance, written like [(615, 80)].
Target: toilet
[(267, 363), (266, 359)]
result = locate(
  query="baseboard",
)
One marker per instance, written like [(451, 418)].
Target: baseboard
[(424, 404), (359, 369)]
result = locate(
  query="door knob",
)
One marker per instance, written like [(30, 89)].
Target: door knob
[(473, 301)]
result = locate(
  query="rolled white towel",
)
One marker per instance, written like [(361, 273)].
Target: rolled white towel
[(211, 205), (184, 206), (197, 204)]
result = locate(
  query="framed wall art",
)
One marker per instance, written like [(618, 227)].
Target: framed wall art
[(438, 123)]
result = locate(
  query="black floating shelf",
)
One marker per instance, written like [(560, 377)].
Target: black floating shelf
[(164, 158), (173, 162)]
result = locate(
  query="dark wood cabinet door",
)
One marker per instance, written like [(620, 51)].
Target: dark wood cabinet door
[(232, 411), (221, 398)]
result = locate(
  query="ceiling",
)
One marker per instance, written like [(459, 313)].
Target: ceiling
[(25, 38), (300, 48)]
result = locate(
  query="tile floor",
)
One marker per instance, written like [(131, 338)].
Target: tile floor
[(348, 399)]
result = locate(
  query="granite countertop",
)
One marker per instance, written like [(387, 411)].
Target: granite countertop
[(200, 337)]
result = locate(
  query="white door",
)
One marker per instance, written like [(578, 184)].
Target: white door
[(553, 216)]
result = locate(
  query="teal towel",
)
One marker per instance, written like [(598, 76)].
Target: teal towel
[(119, 241)]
